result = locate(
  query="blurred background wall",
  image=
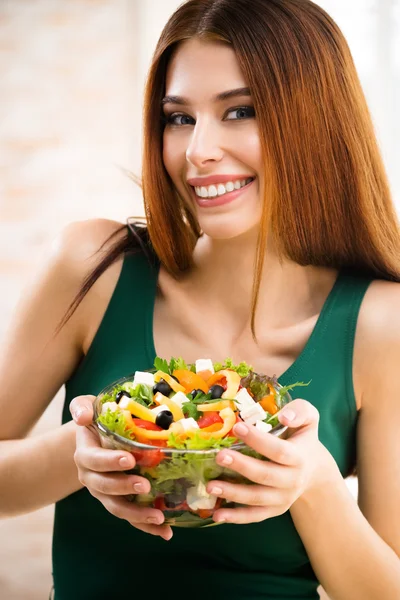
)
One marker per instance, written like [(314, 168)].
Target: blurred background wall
[(71, 82)]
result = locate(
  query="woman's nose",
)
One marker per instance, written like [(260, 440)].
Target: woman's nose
[(204, 145)]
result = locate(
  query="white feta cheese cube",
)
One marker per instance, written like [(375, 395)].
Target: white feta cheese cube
[(109, 405), (252, 414), (188, 424), (197, 497), (179, 398), (143, 377), (159, 408), (243, 399), (124, 402), (263, 427), (204, 364)]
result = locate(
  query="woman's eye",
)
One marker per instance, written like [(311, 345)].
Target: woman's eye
[(243, 112), (177, 119)]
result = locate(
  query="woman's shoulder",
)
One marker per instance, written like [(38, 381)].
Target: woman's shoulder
[(79, 241), (377, 344)]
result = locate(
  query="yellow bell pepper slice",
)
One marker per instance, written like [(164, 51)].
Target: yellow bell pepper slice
[(177, 387), (177, 413), (148, 433), (211, 406), (229, 419), (232, 380), (137, 409)]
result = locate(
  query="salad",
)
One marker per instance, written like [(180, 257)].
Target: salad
[(176, 417)]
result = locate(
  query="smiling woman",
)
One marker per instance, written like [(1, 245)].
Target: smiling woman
[(268, 212), (215, 134)]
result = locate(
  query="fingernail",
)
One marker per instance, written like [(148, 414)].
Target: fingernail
[(79, 412), (153, 521), (125, 462), (217, 491), (227, 460), (240, 429), (289, 414), (138, 487)]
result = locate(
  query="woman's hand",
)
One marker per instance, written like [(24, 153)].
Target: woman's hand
[(101, 471), (296, 465)]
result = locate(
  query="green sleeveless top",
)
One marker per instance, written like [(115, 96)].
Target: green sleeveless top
[(97, 556)]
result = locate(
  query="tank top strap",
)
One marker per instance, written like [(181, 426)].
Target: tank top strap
[(326, 364)]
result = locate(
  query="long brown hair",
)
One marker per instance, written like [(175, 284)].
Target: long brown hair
[(326, 201)]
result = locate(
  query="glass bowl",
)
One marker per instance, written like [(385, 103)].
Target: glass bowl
[(178, 477)]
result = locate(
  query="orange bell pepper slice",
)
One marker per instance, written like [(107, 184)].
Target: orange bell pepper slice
[(268, 403), (191, 381)]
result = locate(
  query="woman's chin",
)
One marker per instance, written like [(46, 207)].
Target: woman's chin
[(227, 228)]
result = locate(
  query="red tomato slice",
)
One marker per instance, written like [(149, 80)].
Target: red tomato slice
[(148, 458), (146, 424), (208, 419)]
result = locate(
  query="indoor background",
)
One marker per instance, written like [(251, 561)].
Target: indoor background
[(71, 82)]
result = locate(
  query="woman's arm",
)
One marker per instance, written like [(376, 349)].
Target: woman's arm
[(355, 550), (37, 471), (34, 364)]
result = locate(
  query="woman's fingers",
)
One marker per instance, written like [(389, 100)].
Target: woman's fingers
[(90, 455), (251, 495), (263, 472), (148, 520), (115, 484), (244, 515), (81, 409), (163, 531), (277, 450)]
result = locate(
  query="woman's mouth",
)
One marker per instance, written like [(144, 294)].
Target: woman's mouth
[(221, 193)]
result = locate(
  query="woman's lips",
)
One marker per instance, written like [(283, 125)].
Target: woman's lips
[(220, 200)]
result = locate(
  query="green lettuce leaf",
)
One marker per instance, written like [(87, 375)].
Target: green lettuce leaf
[(115, 421), (191, 467), (189, 409), (198, 443), (242, 368), (161, 365)]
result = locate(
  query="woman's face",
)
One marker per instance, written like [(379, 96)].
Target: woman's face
[(211, 145)]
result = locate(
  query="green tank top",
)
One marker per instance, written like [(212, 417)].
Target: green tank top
[(97, 556)]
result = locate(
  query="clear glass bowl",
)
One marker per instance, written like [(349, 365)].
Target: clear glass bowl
[(177, 476)]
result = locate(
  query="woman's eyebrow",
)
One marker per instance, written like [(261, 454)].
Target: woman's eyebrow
[(243, 91)]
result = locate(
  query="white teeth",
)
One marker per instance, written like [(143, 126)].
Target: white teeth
[(212, 191), (219, 190)]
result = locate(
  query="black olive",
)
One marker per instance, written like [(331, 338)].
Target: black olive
[(174, 377), (120, 394), (163, 387), (216, 391), (194, 393), (164, 419), (173, 500)]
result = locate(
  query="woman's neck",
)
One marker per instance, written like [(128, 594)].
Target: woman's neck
[(289, 293)]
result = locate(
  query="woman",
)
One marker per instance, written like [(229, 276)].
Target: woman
[(295, 271)]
